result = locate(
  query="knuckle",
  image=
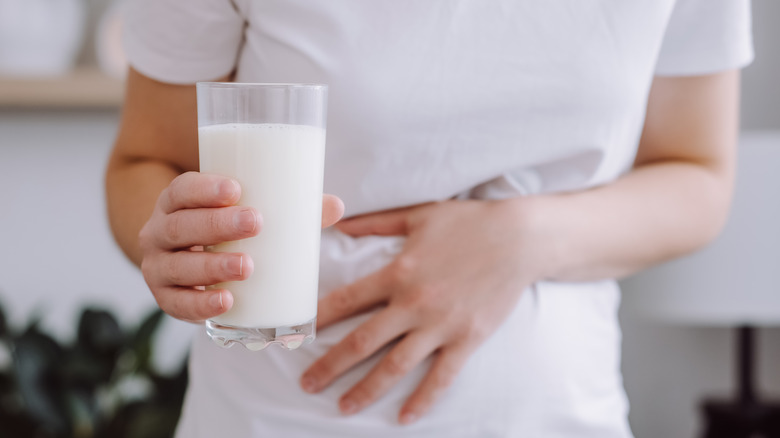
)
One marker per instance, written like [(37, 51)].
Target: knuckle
[(359, 342), (174, 308), (428, 293), (174, 269), (186, 307), (396, 364), (165, 303), (474, 330), (215, 267), (151, 277), (146, 240), (180, 181), (323, 370), (200, 308), (443, 377), (403, 267), (162, 302), (423, 298), (213, 221), (169, 195), (176, 189), (212, 266), (341, 301), (172, 228), (148, 272), (364, 393)]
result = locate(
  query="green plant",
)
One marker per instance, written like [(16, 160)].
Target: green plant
[(100, 385)]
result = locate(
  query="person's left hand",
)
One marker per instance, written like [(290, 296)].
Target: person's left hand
[(460, 273)]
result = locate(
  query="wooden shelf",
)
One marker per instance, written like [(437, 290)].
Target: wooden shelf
[(82, 88)]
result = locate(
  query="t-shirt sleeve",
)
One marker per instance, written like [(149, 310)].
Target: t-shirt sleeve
[(182, 41), (706, 36)]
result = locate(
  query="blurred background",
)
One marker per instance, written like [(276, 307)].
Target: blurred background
[(58, 118)]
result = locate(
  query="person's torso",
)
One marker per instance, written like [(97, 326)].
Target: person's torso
[(428, 101)]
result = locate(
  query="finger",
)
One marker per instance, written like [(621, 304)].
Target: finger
[(207, 226), (361, 343), (354, 298), (386, 223), (194, 305), (195, 268), (198, 190), (332, 210), (396, 364), (445, 368)]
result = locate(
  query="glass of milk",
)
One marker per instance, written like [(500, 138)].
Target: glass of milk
[(271, 139)]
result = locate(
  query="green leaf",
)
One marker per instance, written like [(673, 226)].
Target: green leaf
[(35, 320), (142, 340), (83, 413), (80, 368), (153, 421), (143, 420), (148, 327), (99, 332), (35, 358)]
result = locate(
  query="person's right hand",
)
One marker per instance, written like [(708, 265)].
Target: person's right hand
[(194, 211)]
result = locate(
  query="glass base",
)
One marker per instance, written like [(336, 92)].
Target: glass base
[(256, 339)]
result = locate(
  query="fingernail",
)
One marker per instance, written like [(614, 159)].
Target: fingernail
[(348, 407), (227, 188), (245, 220), (408, 418), (235, 265), (216, 301), (309, 384)]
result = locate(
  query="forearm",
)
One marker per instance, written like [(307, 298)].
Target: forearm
[(655, 213), (157, 141), (132, 188), (674, 201)]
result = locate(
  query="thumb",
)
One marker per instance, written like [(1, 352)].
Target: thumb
[(385, 223), (332, 210)]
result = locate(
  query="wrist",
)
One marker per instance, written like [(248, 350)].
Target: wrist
[(535, 221)]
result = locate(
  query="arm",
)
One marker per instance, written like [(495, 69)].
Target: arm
[(674, 201), (157, 141), (153, 211), (443, 297)]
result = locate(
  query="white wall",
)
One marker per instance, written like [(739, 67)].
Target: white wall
[(58, 251), (760, 90)]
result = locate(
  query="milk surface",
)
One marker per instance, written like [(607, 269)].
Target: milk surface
[(280, 169)]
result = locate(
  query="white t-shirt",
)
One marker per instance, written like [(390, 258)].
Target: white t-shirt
[(431, 100)]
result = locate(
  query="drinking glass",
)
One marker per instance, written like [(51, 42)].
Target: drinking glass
[(271, 139)]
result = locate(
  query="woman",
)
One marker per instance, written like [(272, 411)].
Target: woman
[(500, 164)]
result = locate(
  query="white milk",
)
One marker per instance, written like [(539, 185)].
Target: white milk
[(280, 171)]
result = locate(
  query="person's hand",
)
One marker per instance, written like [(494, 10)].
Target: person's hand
[(460, 273), (194, 211)]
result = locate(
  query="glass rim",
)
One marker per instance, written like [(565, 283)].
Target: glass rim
[(288, 85)]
